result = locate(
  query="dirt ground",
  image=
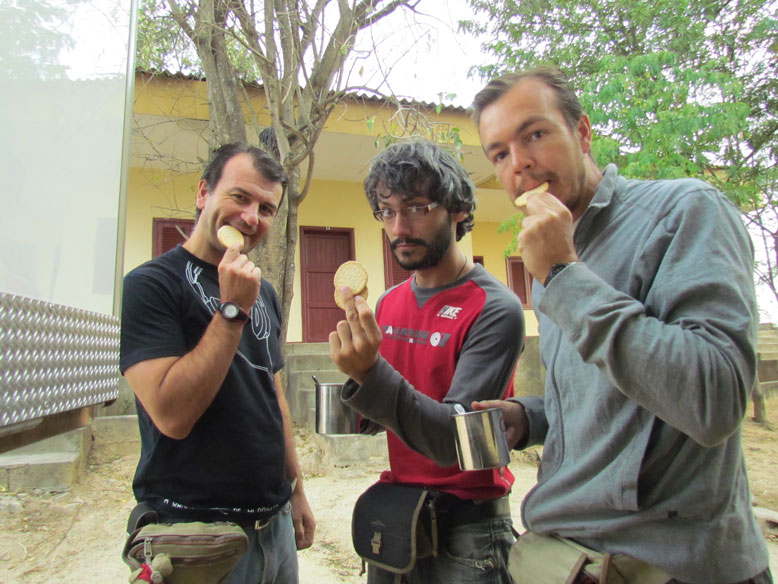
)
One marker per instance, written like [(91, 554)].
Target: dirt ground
[(75, 537)]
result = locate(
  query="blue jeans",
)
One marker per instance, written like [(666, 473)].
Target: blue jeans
[(271, 557), (474, 553)]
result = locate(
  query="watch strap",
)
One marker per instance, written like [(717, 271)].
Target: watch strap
[(555, 269)]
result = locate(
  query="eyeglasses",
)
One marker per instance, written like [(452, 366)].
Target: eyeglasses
[(411, 212)]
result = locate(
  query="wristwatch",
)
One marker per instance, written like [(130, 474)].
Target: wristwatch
[(232, 312), (555, 269)]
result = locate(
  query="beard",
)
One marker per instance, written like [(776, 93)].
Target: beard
[(435, 249)]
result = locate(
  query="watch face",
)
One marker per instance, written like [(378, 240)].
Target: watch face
[(230, 311)]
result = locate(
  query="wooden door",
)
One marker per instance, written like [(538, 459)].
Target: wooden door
[(168, 233), (322, 250), (519, 280)]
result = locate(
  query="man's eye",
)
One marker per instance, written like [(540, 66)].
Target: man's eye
[(267, 211)]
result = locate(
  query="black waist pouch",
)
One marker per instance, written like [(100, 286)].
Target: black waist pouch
[(394, 525)]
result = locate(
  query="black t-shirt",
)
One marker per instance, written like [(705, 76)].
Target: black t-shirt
[(232, 464)]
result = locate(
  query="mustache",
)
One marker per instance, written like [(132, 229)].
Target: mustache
[(411, 240)]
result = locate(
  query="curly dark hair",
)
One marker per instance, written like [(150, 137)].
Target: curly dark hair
[(420, 168)]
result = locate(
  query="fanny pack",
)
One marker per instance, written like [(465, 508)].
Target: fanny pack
[(393, 525), (549, 559), (181, 553)]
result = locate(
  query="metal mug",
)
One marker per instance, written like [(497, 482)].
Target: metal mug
[(332, 415), (480, 439)]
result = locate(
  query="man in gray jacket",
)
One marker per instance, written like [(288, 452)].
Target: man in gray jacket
[(647, 320)]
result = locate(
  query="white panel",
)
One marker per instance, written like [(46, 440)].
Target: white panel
[(63, 88)]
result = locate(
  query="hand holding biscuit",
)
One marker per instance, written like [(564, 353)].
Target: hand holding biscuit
[(239, 278), (354, 345), (546, 236)]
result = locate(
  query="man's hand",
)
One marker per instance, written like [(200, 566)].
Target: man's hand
[(546, 236), (302, 519), (516, 428), (239, 279), (354, 345)]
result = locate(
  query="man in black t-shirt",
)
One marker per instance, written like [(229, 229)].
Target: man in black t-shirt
[(201, 349)]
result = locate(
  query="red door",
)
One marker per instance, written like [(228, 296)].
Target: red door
[(322, 250), (519, 280)]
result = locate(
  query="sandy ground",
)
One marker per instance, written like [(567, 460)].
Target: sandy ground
[(75, 537)]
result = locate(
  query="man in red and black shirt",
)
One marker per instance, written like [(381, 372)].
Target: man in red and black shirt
[(450, 334)]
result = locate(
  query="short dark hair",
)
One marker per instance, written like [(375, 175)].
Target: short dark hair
[(420, 168), (552, 76), (264, 163)]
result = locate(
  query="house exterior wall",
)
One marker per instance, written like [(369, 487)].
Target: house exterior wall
[(160, 192)]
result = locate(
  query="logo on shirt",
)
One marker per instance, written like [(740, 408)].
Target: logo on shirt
[(411, 336), (450, 312)]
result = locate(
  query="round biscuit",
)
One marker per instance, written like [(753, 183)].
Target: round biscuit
[(339, 298), (352, 274), (230, 237)]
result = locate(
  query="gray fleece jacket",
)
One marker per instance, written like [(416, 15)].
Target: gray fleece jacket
[(650, 349)]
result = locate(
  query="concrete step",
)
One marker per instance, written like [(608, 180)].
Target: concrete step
[(310, 362), (351, 449), (767, 370), (307, 349), (53, 464)]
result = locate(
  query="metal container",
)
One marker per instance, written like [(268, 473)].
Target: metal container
[(332, 415), (480, 439)]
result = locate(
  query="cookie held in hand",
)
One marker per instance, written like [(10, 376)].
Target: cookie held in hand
[(351, 274), (230, 237), (521, 201)]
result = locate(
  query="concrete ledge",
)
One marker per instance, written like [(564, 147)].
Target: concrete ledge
[(116, 435), (350, 449), (53, 464)]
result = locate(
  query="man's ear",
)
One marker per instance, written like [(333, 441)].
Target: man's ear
[(584, 133), (202, 194)]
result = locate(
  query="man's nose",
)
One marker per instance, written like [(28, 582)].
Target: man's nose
[(250, 215), (519, 158), (400, 224)]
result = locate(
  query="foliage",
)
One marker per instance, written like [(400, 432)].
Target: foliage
[(34, 55), (673, 87)]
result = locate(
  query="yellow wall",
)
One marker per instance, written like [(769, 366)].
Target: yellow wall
[(491, 244), (161, 194), (154, 194)]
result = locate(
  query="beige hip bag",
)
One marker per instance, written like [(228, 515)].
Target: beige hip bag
[(544, 559)]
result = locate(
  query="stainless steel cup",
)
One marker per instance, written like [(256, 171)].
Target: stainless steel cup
[(480, 439), (332, 415)]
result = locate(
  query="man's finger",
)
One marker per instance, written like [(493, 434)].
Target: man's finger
[(367, 320)]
